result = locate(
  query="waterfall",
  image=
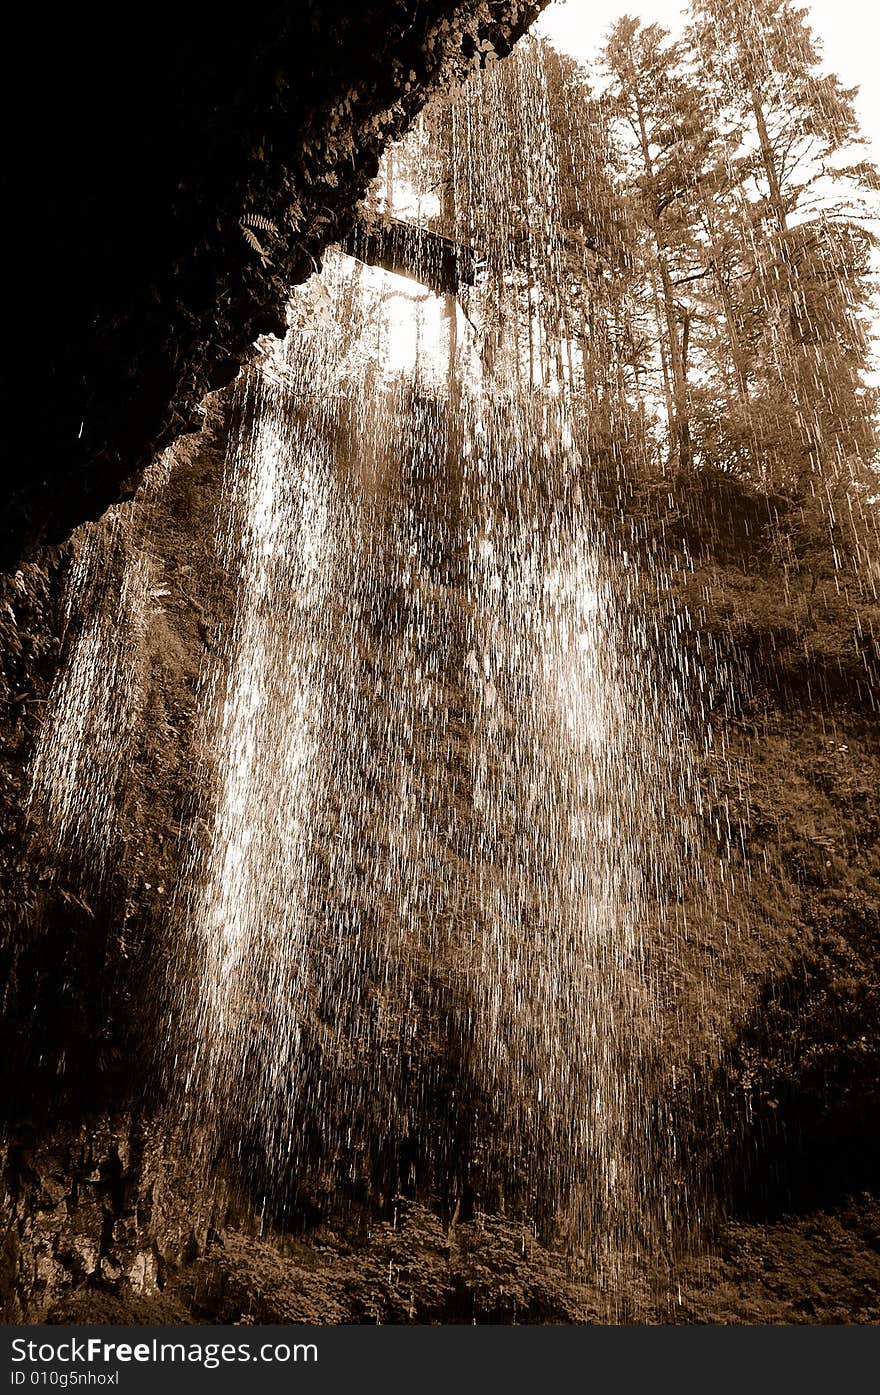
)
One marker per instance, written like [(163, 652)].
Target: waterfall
[(79, 769), (428, 936)]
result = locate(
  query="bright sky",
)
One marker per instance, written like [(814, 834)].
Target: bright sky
[(849, 30)]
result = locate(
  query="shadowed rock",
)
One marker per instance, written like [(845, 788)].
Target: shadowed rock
[(132, 287)]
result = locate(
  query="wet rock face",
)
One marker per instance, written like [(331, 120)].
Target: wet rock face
[(175, 181), (90, 1206), (98, 1219)]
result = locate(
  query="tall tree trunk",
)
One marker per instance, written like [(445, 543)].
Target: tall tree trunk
[(723, 292), (786, 294), (768, 160), (668, 397), (681, 427)]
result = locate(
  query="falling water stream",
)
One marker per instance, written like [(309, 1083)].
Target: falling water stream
[(452, 782)]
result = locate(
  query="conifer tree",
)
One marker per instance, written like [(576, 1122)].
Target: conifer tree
[(649, 98), (804, 283)]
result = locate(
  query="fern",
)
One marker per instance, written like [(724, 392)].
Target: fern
[(260, 221), (252, 239)]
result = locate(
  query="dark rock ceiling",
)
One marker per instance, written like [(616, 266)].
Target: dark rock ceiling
[(138, 142)]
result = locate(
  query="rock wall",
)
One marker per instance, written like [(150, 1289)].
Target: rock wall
[(96, 1206), (167, 186), (96, 1188), (777, 1103)]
